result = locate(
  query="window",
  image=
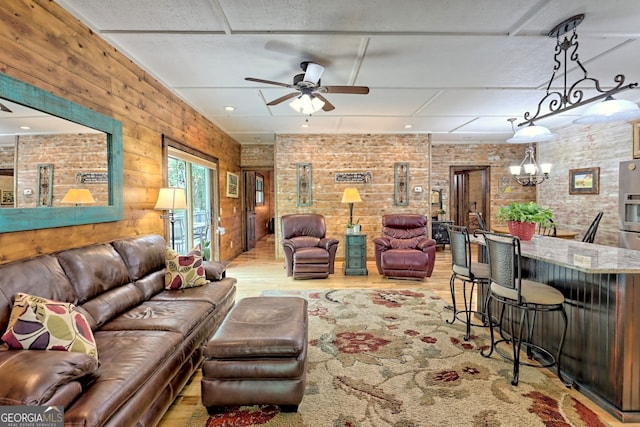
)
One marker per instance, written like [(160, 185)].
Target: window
[(259, 190)]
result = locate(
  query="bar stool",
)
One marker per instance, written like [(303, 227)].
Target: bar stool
[(529, 297), (468, 273)]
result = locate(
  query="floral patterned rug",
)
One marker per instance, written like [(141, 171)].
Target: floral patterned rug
[(388, 358)]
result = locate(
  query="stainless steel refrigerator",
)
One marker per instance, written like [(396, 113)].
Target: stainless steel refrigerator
[(629, 215)]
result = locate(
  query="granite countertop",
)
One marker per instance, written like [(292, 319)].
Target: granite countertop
[(586, 257)]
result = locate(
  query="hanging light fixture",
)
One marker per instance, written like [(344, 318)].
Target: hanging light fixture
[(529, 173), (572, 96), (307, 103)]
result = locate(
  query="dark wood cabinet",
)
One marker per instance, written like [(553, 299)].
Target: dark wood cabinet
[(355, 255)]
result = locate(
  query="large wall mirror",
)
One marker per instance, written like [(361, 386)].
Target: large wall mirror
[(60, 163)]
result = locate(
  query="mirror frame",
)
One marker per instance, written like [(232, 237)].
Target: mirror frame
[(20, 219)]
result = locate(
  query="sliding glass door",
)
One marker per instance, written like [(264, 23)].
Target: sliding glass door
[(197, 225)]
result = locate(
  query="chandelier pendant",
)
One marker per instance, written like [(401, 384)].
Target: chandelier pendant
[(571, 96)]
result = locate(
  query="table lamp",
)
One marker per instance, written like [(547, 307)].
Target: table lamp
[(351, 196), (78, 196), (171, 199)]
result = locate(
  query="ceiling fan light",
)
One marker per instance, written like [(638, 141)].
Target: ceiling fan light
[(313, 72), (532, 133), (306, 104), (609, 110)]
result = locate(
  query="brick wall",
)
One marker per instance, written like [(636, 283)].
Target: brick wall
[(329, 154), (603, 146), (503, 189), (68, 154)]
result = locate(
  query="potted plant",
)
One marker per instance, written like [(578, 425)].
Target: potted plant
[(441, 215), (522, 218), (353, 227)]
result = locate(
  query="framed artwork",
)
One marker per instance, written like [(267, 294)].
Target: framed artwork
[(401, 184), (233, 185), (303, 181), (44, 186), (259, 190), (584, 181), (6, 197), (636, 139)]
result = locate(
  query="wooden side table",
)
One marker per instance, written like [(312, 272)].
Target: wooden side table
[(355, 255)]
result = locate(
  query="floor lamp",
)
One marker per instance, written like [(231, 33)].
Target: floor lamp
[(170, 199)]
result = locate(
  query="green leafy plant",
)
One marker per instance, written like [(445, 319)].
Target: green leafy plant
[(525, 212), (351, 224), (206, 249)]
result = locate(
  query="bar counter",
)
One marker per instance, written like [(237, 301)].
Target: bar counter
[(601, 285)]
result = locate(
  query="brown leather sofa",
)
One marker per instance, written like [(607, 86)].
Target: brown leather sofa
[(149, 340), (405, 250), (308, 253)]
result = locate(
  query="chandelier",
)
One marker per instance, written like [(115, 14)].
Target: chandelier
[(573, 95), (528, 173)]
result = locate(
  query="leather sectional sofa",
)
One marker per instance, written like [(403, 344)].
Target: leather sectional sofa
[(149, 340)]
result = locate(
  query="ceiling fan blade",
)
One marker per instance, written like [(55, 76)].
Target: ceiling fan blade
[(283, 98), (358, 90), (312, 72), (269, 82), (327, 105), (5, 108)]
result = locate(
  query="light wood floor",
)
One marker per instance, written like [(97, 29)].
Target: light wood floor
[(258, 270)]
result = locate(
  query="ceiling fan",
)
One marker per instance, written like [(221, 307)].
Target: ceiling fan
[(308, 83)]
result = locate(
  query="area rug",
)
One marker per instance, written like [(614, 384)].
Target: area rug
[(388, 358)]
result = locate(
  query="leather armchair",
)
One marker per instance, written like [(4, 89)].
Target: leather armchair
[(308, 253), (405, 250)]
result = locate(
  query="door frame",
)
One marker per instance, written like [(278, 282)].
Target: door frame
[(456, 170)]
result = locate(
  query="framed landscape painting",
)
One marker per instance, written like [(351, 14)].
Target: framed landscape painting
[(233, 184), (584, 181)]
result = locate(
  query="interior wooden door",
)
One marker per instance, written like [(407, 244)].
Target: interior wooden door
[(469, 194), (249, 210)]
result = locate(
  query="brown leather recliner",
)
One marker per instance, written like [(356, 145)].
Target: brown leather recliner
[(308, 254), (405, 250)]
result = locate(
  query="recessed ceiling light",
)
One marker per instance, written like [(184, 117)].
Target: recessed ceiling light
[(305, 125), (408, 126), (25, 127), (230, 108)]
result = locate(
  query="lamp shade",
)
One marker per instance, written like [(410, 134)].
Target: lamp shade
[(171, 198), (532, 133), (351, 195), (609, 110), (307, 104), (78, 196)]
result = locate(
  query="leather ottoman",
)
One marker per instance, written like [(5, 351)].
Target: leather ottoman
[(258, 355)]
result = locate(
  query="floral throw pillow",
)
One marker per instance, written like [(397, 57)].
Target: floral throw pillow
[(184, 271), (38, 323)]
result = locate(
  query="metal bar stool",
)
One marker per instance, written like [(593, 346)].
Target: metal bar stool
[(527, 296), (469, 273)]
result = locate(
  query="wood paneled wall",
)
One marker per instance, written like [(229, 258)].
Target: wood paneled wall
[(43, 45)]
